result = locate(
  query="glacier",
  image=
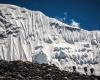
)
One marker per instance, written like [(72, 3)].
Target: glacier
[(32, 36)]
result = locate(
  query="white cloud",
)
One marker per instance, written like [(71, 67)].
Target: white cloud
[(74, 23), (58, 18), (63, 18), (65, 13)]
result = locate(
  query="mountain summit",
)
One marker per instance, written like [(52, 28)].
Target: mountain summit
[(32, 36)]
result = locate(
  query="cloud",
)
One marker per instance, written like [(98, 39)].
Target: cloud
[(65, 13), (63, 18), (74, 23), (58, 18)]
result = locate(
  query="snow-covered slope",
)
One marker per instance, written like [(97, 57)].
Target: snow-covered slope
[(30, 35)]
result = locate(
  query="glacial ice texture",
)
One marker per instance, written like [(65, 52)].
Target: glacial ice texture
[(32, 36)]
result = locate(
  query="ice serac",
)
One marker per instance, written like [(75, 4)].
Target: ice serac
[(30, 35)]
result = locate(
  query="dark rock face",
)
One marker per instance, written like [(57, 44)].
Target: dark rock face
[(18, 70)]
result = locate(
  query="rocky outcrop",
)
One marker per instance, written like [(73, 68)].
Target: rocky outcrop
[(19, 70)]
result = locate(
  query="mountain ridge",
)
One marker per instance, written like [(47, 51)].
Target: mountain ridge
[(31, 36)]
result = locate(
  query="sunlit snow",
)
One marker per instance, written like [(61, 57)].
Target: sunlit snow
[(32, 36)]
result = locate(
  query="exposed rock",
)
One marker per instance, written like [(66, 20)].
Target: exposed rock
[(18, 70)]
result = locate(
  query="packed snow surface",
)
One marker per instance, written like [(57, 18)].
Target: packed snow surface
[(32, 36)]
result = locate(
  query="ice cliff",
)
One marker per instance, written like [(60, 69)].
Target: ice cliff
[(32, 36)]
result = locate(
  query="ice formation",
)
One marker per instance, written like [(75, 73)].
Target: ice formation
[(30, 35)]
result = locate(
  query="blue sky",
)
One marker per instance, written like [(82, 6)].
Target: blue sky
[(86, 12)]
